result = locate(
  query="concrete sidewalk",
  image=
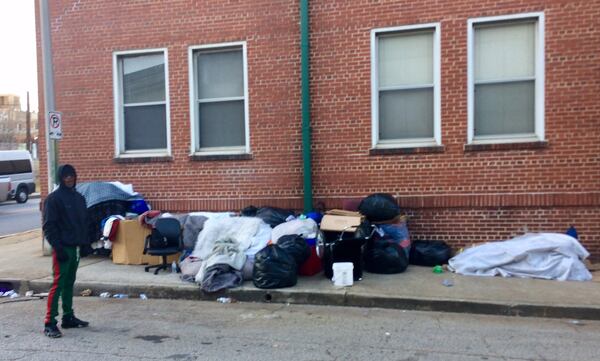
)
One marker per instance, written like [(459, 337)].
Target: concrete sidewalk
[(22, 263)]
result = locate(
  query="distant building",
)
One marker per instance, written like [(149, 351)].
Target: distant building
[(13, 123)]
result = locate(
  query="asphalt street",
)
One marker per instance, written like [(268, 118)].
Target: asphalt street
[(134, 329), (15, 218)]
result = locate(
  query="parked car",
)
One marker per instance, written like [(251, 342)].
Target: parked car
[(4, 189), (16, 165)]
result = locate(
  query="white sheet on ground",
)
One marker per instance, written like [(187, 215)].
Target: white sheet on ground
[(536, 255)]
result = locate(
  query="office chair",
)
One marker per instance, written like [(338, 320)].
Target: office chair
[(164, 240)]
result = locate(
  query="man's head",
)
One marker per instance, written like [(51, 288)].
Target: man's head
[(67, 175)]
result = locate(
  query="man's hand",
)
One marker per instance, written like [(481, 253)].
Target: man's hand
[(61, 255)]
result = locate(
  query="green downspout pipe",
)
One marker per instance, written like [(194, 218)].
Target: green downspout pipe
[(305, 62)]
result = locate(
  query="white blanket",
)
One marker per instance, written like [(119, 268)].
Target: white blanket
[(307, 228), (228, 240), (239, 229), (537, 255)]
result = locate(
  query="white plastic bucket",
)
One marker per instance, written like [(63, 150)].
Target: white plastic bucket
[(343, 274)]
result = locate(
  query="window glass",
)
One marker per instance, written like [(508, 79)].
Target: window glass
[(143, 78), (406, 114), (406, 59), (6, 167), (406, 85), (504, 89), (222, 124), (504, 52), (143, 115), (506, 108), (21, 166), (221, 98), (220, 74), (145, 127)]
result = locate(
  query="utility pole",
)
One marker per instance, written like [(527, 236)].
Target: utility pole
[(28, 120), (49, 102)]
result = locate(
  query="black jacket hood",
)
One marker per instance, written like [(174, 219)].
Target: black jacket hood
[(65, 170)]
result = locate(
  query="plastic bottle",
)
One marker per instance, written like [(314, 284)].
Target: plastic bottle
[(174, 267), (143, 296), (448, 283), (224, 300), (120, 295), (105, 295)]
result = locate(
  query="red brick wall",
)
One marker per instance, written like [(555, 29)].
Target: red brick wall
[(457, 195)]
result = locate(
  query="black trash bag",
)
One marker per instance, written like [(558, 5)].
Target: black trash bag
[(430, 253), (273, 216), (274, 268), (379, 207), (296, 246), (382, 256), (249, 211)]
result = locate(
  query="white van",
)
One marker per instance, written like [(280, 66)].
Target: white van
[(16, 165)]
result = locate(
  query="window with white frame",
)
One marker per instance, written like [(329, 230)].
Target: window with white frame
[(219, 101), (141, 102), (506, 74), (405, 82)]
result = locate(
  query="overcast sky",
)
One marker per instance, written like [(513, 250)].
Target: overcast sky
[(18, 69)]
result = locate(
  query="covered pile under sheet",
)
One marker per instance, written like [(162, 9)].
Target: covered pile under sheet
[(537, 255)]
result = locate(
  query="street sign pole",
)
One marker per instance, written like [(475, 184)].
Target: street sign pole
[(49, 101)]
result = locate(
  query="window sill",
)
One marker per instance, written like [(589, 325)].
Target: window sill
[(506, 146), (148, 159), (218, 157), (408, 150)]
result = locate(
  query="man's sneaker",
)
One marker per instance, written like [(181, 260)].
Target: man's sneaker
[(73, 322), (52, 331)]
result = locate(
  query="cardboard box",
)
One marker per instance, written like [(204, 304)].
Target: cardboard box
[(343, 212), (348, 223), (128, 247)]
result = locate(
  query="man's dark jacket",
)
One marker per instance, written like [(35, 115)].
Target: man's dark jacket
[(65, 214)]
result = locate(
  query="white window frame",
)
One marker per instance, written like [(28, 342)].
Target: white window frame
[(436, 140), (119, 124), (194, 127), (539, 132)]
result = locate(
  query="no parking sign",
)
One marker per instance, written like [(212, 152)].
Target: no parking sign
[(55, 125)]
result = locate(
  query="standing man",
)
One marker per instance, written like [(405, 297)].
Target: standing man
[(65, 220)]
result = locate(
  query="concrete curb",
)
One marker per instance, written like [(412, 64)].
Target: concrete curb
[(20, 233), (342, 298)]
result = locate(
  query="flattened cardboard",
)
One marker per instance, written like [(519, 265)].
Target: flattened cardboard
[(340, 223), (342, 212)]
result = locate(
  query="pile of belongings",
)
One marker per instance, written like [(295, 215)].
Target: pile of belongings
[(267, 247), (272, 246), (107, 203), (388, 250), (536, 255)]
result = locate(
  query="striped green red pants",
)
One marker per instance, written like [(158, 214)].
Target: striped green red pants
[(63, 274)]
